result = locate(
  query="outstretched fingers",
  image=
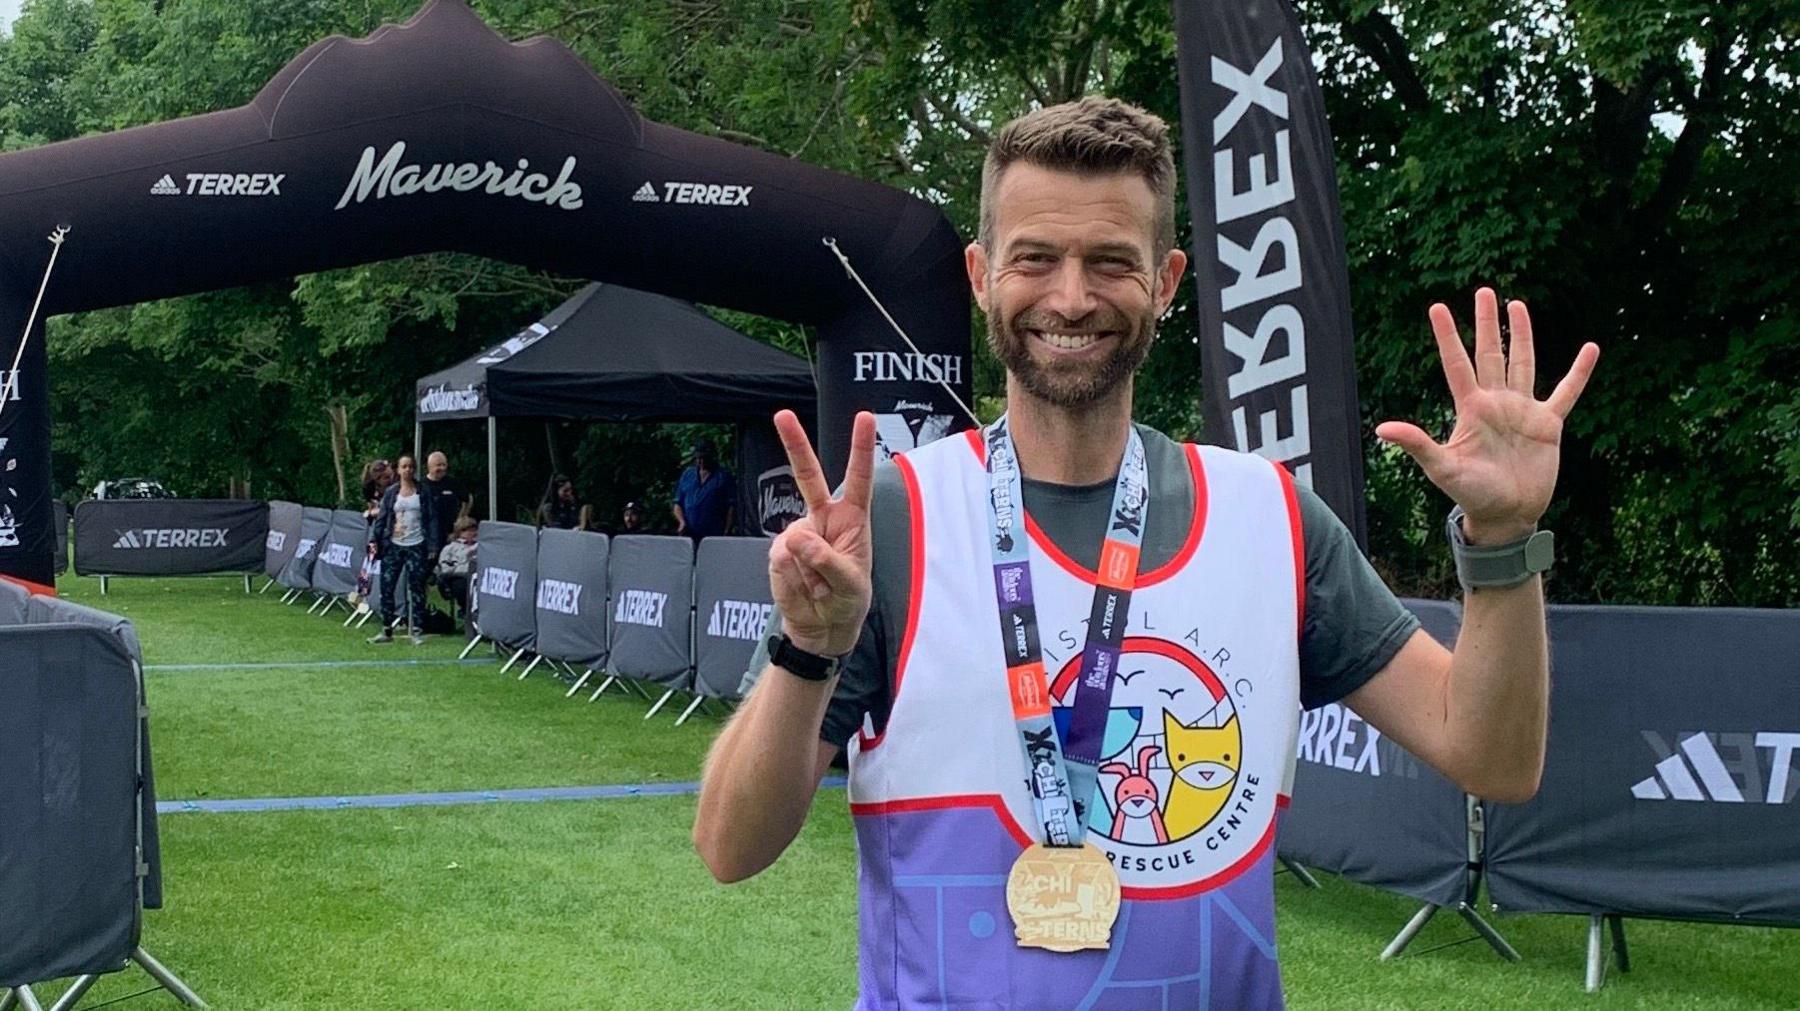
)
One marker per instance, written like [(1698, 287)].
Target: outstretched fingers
[(1521, 351), (1490, 360), (809, 477), (859, 475), (1458, 373), (1562, 399), (1413, 440)]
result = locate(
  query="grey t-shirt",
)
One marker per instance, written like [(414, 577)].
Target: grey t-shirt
[(1354, 623)]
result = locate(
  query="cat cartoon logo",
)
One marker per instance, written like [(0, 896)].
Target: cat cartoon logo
[(1173, 805)]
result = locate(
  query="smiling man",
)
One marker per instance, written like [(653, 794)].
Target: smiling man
[(1067, 654)]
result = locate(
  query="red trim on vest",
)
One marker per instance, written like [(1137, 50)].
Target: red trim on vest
[(30, 587), (1282, 800), (1299, 535), (1196, 525), (992, 801), (915, 507), (1207, 884)]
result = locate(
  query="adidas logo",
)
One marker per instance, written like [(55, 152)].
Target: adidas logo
[(1694, 770), (165, 187), (739, 619), (646, 194), (175, 537)]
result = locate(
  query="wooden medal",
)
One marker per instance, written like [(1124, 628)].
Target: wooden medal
[(1063, 898)]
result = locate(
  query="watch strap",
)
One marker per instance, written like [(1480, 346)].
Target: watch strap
[(800, 663), (1500, 565)]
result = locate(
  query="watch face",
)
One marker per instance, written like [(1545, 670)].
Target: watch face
[(1540, 551)]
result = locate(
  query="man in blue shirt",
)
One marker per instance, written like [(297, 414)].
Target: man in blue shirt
[(706, 496)]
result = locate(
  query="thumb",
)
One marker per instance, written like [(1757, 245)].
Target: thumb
[(1413, 440)]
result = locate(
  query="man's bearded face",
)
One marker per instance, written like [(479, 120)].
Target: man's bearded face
[(1068, 375), (1072, 284)]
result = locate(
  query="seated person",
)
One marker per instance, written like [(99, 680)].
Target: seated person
[(456, 562), (561, 510)]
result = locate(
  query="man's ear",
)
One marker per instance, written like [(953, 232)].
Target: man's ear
[(1168, 279), (975, 261)]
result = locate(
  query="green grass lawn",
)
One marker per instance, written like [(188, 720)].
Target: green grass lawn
[(601, 903)]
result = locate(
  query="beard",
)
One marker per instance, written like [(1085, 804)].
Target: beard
[(1071, 384)]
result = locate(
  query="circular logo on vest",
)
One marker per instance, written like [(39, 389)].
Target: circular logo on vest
[(1172, 807)]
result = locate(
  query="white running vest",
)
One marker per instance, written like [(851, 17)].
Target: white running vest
[(1203, 724)]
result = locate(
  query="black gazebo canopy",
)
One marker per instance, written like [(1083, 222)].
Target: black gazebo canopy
[(612, 353)]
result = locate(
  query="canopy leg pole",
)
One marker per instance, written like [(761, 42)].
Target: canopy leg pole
[(584, 680), (1408, 932), (689, 711), (493, 473), (659, 703), (418, 442), (604, 685), (1300, 873)]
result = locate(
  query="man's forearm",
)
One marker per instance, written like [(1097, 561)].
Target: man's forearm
[(1497, 695), (761, 775)]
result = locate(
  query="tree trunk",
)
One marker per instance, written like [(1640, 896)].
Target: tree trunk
[(339, 419)]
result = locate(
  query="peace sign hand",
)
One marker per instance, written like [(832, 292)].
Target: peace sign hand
[(1501, 459), (819, 566)]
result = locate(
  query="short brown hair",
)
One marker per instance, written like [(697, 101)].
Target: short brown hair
[(1092, 135)]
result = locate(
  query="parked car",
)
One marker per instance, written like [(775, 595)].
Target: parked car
[(132, 487)]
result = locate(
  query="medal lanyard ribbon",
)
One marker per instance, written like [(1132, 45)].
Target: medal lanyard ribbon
[(1062, 774)]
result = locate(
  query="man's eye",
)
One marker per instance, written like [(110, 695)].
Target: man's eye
[(1036, 258)]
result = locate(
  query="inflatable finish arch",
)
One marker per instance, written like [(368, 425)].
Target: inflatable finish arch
[(439, 134)]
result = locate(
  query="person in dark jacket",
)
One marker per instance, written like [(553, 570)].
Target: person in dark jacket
[(405, 536), (561, 509)]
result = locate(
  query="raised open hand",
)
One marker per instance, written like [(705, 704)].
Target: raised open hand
[(819, 566), (1501, 459)]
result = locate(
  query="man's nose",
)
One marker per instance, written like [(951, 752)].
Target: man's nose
[(1070, 296)]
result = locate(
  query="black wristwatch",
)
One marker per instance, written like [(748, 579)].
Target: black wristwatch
[(810, 666)]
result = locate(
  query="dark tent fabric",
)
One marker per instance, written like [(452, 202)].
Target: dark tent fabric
[(284, 537), (442, 134), (315, 526), (13, 603), (732, 608), (341, 553), (650, 619), (60, 510), (1370, 810), (571, 597), (69, 901), (613, 353), (505, 577), (44, 610)]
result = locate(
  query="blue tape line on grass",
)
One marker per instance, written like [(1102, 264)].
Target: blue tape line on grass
[(158, 668), (389, 800)]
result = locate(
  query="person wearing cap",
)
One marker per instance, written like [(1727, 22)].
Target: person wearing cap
[(632, 520), (706, 495)]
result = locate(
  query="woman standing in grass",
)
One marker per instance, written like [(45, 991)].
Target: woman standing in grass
[(403, 539)]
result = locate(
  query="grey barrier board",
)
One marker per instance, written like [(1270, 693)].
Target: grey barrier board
[(284, 537), (14, 600), (59, 515), (341, 553), (732, 608), (571, 597), (45, 610), (650, 618), (1367, 809), (1670, 788), (69, 901), (169, 537), (505, 580), (315, 525)]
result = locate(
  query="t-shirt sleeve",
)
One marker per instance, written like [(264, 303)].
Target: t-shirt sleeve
[(863, 680), (1354, 623)]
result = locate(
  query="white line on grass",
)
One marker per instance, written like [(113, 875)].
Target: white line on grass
[(390, 800)]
